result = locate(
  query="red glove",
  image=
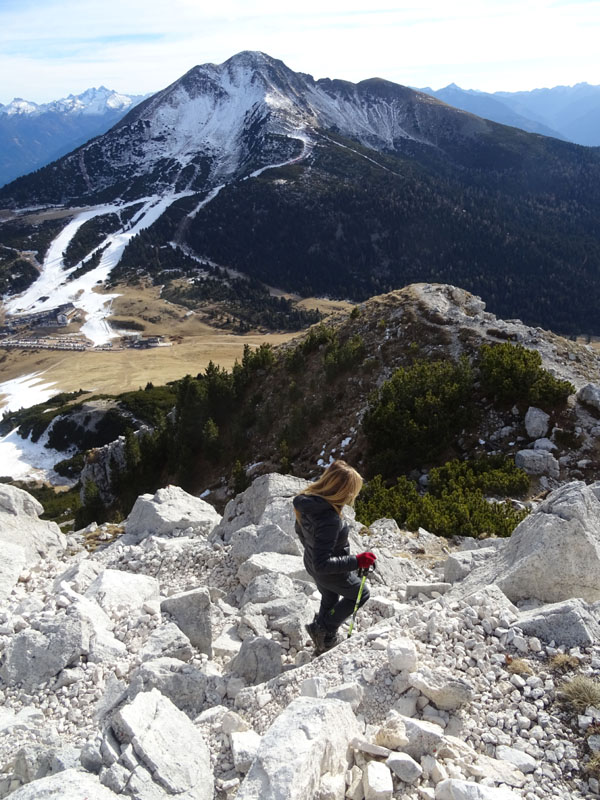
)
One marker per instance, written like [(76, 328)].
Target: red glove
[(366, 560)]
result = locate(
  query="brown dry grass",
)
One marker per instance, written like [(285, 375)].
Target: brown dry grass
[(195, 343)]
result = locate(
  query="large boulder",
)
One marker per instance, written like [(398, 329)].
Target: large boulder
[(169, 754), (191, 611), (71, 783), (569, 624), (114, 589), (33, 656), (270, 538), (258, 660), (538, 462), (441, 687), (307, 740), (168, 510), (24, 538), (14, 559), (589, 395), (536, 422), (183, 684), (273, 563), (267, 500), (553, 555)]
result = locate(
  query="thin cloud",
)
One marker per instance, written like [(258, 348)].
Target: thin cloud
[(140, 46)]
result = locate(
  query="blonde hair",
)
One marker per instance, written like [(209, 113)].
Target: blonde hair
[(339, 485)]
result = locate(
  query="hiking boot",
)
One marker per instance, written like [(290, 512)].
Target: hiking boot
[(331, 640), (317, 634)]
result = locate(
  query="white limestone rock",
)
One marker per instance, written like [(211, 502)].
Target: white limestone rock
[(442, 687), (554, 554), (307, 740), (273, 563), (522, 761), (569, 624), (259, 660), (414, 589), (192, 613), (377, 781), (423, 737), (12, 564), (267, 500), (33, 656), (538, 462), (66, 785), (332, 787), (269, 538), (170, 509), (589, 395), (267, 586), (184, 684), (463, 562), (536, 422), (350, 692), (244, 747), (115, 589), (167, 641), (80, 576), (402, 654), (19, 525), (392, 734), (404, 767), (455, 789), (168, 746)]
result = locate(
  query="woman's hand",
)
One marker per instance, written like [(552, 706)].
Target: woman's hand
[(366, 560)]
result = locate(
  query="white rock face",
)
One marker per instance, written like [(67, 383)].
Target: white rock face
[(402, 655), (169, 509), (114, 589), (183, 684), (191, 611), (377, 782), (423, 737), (274, 563), (267, 500), (24, 538), (168, 641), (404, 767), (453, 789), (392, 734), (589, 395), (244, 747), (554, 554), (538, 462), (12, 564), (168, 746), (249, 540), (71, 783), (462, 563), (258, 660), (536, 422), (444, 689), (569, 624), (35, 656), (517, 758), (310, 738)]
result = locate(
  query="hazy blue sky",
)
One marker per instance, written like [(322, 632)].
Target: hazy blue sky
[(49, 48)]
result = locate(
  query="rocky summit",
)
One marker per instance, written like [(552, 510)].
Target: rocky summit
[(167, 657)]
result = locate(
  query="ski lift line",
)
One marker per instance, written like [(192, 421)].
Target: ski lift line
[(362, 155)]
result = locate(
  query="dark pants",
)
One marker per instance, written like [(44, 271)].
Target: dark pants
[(338, 598)]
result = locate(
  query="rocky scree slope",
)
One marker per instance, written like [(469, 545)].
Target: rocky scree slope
[(171, 661)]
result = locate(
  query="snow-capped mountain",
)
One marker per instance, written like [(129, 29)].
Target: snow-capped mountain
[(32, 134), (92, 102), (222, 121)]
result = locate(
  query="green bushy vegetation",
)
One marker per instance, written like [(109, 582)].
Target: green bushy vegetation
[(455, 504), (417, 414), (511, 373)]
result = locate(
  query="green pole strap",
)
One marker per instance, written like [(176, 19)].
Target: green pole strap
[(360, 591)]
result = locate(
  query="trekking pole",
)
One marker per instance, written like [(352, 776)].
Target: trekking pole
[(363, 573)]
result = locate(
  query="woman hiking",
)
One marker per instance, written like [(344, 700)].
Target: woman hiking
[(324, 536)]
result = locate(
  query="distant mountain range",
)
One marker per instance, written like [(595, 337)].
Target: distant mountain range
[(350, 190), (566, 112), (33, 135)]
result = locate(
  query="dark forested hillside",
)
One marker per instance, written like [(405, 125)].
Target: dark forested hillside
[(518, 227)]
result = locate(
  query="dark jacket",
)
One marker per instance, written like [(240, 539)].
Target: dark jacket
[(324, 536)]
